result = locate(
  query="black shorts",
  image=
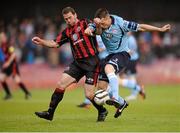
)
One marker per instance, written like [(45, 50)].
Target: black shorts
[(119, 62), (13, 69), (131, 67), (88, 67)]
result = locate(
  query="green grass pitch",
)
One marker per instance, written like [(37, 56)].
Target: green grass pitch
[(159, 112)]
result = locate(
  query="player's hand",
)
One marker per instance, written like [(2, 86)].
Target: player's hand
[(97, 21), (37, 40), (165, 28), (88, 32), (5, 65)]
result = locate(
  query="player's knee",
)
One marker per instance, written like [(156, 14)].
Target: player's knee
[(61, 84), (2, 78), (17, 80), (109, 68), (90, 96)]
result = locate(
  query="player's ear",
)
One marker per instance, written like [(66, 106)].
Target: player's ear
[(75, 15)]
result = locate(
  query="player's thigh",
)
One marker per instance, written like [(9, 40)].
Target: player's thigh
[(17, 78), (3, 77), (65, 81), (109, 68), (119, 61)]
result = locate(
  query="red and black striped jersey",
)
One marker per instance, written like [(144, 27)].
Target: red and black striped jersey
[(7, 50), (82, 46)]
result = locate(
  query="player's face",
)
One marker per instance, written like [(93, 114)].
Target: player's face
[(70, 18), (105, 22), (3, 38)]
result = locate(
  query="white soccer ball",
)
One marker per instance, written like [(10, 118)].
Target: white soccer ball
[(101, 96)]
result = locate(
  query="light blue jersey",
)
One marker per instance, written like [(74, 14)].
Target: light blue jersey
[(115, 37), (132, 44), (101, 45)]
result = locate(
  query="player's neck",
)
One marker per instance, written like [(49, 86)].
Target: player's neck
[(75, 22), (109, 22)]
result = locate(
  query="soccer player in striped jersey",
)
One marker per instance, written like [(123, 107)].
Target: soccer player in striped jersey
[(10, 67), (102, 54), (86, 62), (113, 30)]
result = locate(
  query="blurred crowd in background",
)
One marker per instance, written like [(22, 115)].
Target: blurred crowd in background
[(152, 46)]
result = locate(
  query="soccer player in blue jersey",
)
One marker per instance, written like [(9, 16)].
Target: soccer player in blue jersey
[(128, 77), (113, 30)]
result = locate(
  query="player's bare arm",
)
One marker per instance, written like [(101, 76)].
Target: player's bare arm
[(88, 31), (48, 43), (97, 21), (9, 61), (146, 27)]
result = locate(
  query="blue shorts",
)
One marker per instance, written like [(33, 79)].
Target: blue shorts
[(118, 60)]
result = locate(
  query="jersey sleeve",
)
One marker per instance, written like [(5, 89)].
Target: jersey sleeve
[(11, 49), (62, 37), (127, 25), (91, 25), (100, 42)]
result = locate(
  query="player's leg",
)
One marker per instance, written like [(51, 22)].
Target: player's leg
[(92, 72), (131, 81), (116, 64), (5, 86), (57, 96), (19, 82), (102, 112), (69, 77), (113, 83)]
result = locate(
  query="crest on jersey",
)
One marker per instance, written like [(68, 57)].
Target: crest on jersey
[(109, 36), (75, 37), (114, 31), (78, 29)]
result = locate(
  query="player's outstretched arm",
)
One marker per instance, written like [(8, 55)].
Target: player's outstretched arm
[(10, 60), (146, 27), (48, 43), (88, 31)]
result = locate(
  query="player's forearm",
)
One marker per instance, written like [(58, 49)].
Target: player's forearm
[(49, 43), (98, 30), (146, 27), (11, 58)]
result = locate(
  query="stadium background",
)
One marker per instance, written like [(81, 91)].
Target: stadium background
[(41, 68), (22, 20)]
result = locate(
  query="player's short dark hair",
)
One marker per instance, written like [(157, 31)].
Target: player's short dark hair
[(101, 13), (67, 10)]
